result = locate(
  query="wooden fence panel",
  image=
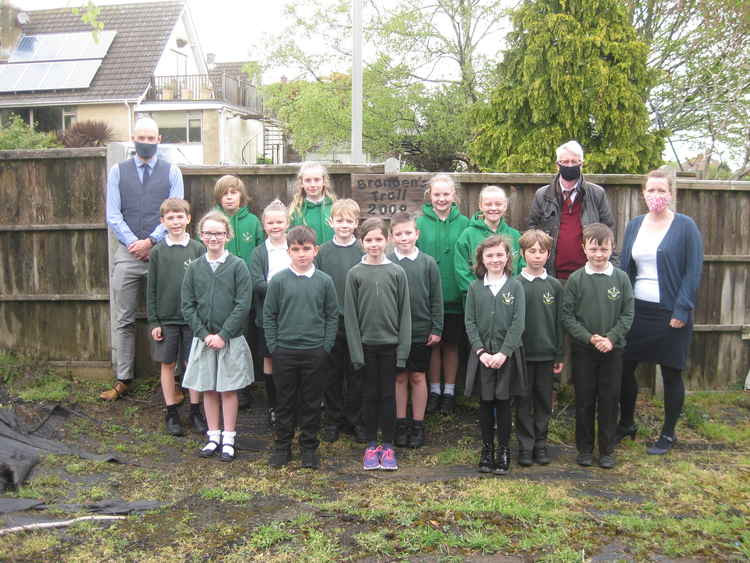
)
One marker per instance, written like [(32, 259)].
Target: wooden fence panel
[(54, 280)]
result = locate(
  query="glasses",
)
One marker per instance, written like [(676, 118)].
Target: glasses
[(209, 236)]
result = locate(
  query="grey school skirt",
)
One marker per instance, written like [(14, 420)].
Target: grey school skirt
[(228, 369)]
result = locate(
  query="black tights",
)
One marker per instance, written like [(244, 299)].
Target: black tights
[(674, 396), (487, 421)]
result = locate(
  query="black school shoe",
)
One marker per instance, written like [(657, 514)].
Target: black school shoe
[(662, 445), (486, 463), (310, 459), (502, 461), (541, 456), (198, 421), (433, 403), (585, 459), (606, 461), (330, 433), (228, 455), (280, 458), (524, 458), (174, 424), (416, 438), (448, 405), (403, 426)]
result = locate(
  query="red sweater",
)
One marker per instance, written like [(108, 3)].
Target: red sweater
[(569, 253)]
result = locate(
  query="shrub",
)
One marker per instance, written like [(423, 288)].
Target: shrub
[(86, 134), (18, 135)]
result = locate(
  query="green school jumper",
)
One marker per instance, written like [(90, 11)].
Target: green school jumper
[(376, 310), (315, 216), (543, 337)]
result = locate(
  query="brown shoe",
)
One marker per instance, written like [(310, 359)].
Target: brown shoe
[(116, 392)]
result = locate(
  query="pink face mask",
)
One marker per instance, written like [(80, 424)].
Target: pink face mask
[(657, 203)]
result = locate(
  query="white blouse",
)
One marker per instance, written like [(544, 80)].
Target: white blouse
[(646, 286)]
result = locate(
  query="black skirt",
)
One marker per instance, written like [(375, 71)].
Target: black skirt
[(652, 340)]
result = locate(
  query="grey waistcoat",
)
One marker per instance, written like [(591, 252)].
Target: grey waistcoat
[(139, 204)]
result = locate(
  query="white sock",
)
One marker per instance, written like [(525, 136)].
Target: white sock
[(227, 438), (215, 436), (435, 388), (450, 388)]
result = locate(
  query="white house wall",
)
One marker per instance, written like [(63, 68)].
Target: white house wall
[(167, 65), (239, 132)]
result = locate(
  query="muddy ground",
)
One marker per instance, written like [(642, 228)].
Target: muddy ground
[(690, 505)]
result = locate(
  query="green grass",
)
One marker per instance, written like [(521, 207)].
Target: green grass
[(222, 495)]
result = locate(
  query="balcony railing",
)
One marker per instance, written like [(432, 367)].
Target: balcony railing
[(202, 87)]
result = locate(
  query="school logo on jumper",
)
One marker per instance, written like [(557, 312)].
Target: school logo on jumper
[(548, 298), (188, 262), (507, 297), (246, 237), (613, 293)]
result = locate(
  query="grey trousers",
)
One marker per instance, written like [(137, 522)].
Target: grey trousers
[(127, 274), (533, 411)]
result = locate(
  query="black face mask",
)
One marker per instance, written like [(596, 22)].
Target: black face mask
[(145, 150), (570, 172)]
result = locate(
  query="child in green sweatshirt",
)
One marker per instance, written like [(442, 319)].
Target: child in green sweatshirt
[(495, 321), (312, 201), (598, 308), (542, 342), (378, 331), (216, 296)]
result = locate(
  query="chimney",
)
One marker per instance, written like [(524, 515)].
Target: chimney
[(10, 28)]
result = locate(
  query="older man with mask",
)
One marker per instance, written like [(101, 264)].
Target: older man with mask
[(136, 188), (564, 207)]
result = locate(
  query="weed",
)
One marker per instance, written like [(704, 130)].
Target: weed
[(222, 495)]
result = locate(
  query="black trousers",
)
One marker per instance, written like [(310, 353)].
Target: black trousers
[(495, 413), (343, 393), (596, 378), (379, 392), (534, 410), (299, 379)]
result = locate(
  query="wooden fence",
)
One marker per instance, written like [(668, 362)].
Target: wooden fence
[(53, 250)]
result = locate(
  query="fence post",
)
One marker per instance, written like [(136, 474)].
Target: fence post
[(116, 152)]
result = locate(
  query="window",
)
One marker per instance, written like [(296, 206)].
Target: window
[(178, 126), (45, 119)]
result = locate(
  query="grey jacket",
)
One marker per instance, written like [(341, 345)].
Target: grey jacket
[(545, 212)]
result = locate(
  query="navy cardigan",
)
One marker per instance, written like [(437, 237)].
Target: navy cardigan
[(679, 260)]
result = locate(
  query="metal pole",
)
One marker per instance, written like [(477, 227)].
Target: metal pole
[(357, 157)]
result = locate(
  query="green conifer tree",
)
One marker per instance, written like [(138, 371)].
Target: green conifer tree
[(574, 69)]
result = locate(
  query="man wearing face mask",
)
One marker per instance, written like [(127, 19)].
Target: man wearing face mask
[(136, 188), (564, 207)]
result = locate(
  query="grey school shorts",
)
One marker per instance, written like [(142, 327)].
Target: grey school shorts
[(176, 344)]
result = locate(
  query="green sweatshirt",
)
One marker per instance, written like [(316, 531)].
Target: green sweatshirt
[(258, 275), (376, 310), (300, 313), (598, 304), (315, 216), (438, 239), (467, 243), (336, 261), (543, 337), (495, 322), (217, 302), (425, 295), (166, 269), (248, 233)]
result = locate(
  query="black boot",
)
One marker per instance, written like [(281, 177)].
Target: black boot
[(485, 459), (416, 439), (433, 403), (502, 461), (402, 432)]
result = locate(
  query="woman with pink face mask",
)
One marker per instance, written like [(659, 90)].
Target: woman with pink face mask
[(662, 252)]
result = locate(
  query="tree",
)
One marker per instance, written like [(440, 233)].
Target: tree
[(18, 135), (573, 70), (701, 52), (429, 66)]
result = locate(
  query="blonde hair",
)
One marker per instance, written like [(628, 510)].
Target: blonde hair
[(441, 178), (275, 205), (346, 207), (298, 199), (229, 182), (219, 217)]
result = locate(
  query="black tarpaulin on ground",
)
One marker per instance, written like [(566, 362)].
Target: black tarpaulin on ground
[(20, 452)]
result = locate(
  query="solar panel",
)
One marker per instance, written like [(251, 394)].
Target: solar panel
[(62, 46), (61, 75), (54, 61)]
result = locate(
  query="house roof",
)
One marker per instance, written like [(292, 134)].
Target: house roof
[(142, 34)]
